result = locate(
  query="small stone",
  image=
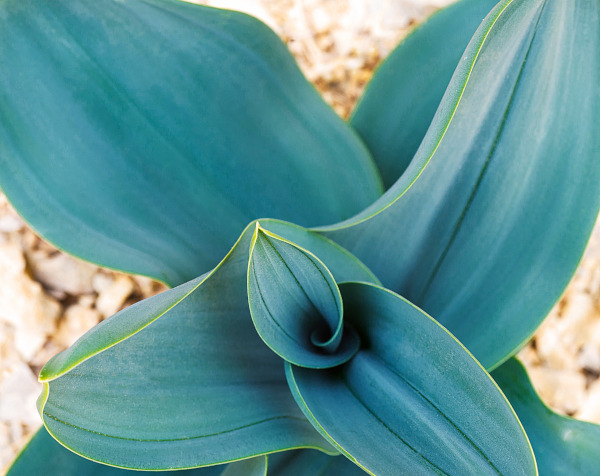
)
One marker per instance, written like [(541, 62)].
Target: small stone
[(86, 300), (77, 320), (529, 357), (551, 347), (7, 350), (19, 389), (7, 451), (562, 390), (561, 336), (113, 297), (101, 281), (590, 409), (321, 20), (4, 436), (16, 431), (63, 273), (29, 343), (23, 304), (589, 358), (29, 240), (148, 287), (577, 315), (10, 223)]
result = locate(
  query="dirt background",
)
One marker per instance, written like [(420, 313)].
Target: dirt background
[(48, 299)]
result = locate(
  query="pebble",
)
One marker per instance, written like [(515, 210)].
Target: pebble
[(102, 281), (76, 321), (10, 223), (562, 389), (589, 358), (149, 287), (590, 409), (23, 303), (62, 273), (111, 299), (19, 389)]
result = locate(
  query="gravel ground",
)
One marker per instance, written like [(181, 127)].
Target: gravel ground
[(48, 299)]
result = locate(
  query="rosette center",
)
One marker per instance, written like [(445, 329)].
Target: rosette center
[(296, 305)]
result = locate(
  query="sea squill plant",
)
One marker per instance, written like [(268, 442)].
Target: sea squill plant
[(383, 266)]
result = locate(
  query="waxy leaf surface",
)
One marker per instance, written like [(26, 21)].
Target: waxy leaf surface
[(400, 101), (296, 305), (413, 400), (310, 463), (145, 135), (183, 379), (562, 446), (44, 456), (487, 225)]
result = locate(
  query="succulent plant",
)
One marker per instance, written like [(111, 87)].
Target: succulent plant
[(339, 290)]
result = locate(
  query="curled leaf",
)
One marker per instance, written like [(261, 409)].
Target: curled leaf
[(296, 305), (413, 400)]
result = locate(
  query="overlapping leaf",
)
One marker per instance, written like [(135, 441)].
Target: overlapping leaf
[(43, 455), (154, 131), (400, 101), (487, 224), (563, 446), (296, 305), (183, 379), (310, 463), (413, 400)]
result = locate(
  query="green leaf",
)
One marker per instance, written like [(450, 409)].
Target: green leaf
[(247, 467), (43, 455), (296, 305), (192, 386), (310, 463), (487, 225), (400, 101), (342, 264), (413, 400), (153, 131), (562, 445), (182, 379)]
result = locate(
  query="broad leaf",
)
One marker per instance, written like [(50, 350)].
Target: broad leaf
[(400, 101), (487, 225), (43, 455), (310, 463), (247, 467), (296, 305), (562, 445), (182, 379), (413, 400), (153, 131)]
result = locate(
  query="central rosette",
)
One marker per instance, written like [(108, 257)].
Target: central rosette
[(296, 305)]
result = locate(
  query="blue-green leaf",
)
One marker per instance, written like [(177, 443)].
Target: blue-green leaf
[(43, 455), (486, 226), (310, 463), (342, 264), (400, 101), (182, 379), (562, 446), (296, 305), (248, 467), (144, 135), (191, 386), (413, 400)]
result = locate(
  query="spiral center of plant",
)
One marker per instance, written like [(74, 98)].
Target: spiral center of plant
[(296, 305)]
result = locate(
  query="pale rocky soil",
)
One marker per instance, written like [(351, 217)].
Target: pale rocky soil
[(48, 299)]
